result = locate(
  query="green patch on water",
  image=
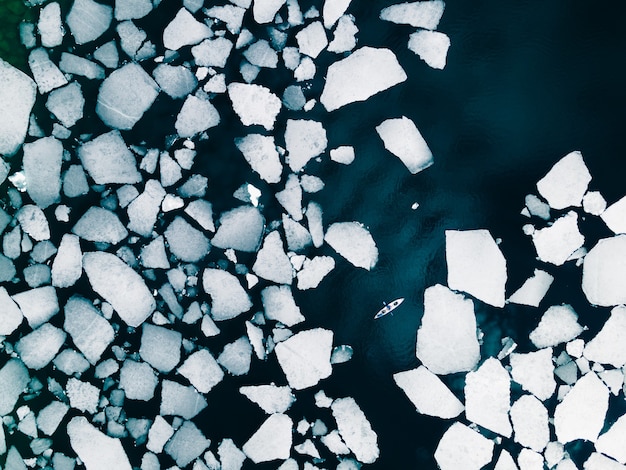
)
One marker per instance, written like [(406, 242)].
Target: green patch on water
[(12, 13)]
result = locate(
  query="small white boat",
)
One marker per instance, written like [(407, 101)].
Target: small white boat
[(388, 308)]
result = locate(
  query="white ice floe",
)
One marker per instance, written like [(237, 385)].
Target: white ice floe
[(107, 159), (261, 154), (125, 96), (291, 197), (615, 216), (177, 81), (476, 265), (160, 347), (566, 182), (582, 412), (178, 400), (261, 54), (488, 397), (228, 297), (33, 222), (184, 30), (240, 228), (143, 210), (558, 324), (344, 38), (279, 305), (271, 441), (354, 242), (446, 339), (50, 417), (100, 225), (305, 357), (38, 305), (404, 140), (431, 46), (13, 381), (594, 203), (343, 154), (556, 243), (46, 74), (153, 255), (10, 316), (83, 396), (600, 462), (254, 104), (119, 285), (271, 398), (17, 97), (530, 423), (76, 65), (355, 430), (530, 460), (90, 332), (159, 433), (212, 52), (609, 345), (49, 25), (67, 104), (604, 272), (362, 74), (88, 20), (272, 262), (537, 207), (533, 290), (312, 39), (428, 393), (202, 212), (304, 140), (42, 170), (313, 271), (132, 9), (187, 444), (185, 242), (264, 11), (75, 181), (505, 462), (462, 447), (197, 115), (314, 215), (423, 14), (333, 10), (96, 450), (534, 371), (611, 443), (138, 380), (202, 370)]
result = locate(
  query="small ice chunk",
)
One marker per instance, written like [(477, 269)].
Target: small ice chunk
[(272, 440), (153, 254), (202, 371), (107, 159), (178, 400), (582, 412), (271, 262), (314, 219), (50, 417), (604, 272), (261, 54), (261, 154), (271, 398), (186, 444), (343, 155), (120, 286), (298, 238), (90, 331), (530, 423), (33, 222), (125, 95), (76, 65), (314, 271), (17, 97), (212, 52), (39, 347), (431, 46), (185, 242), (333, 10), (355, 429), (14, 379), (160, 432), (143, 211), (533, 290), (556, 243), (312, 39), (354, 242), (423, 14), (558, 324), (67, 103), (49, 25), (202, 212), (132, 9), (184, 30), (10, 316), (304, 140), (476, 265), (594, 203), (279, 305), (82, 395), (609, 345), (46, 74), (611, 443), (100, 225), (197, 115), (462, 447), (362, 74), (404, 140), (160, 347), (291, 197), (231, 15), (264, 11), (88, 20), (177, 81), (138, 380), (566, 182), (240, 229), (534, 371), (236, 356), (254, 104), (42, 170), (305, 357), (75, 181), (38, 305), (335, 444), (615, 216), (446, 339), (96, 450), (344, 39), (428, 393), (228, 298)]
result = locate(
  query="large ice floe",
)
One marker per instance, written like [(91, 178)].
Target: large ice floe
[(131, 292)]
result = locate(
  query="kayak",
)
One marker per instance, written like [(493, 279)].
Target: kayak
[(388, 308)]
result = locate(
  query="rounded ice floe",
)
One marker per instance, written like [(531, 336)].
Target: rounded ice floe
[(119, 285), (530, 423), (228, 298), (17, 97), (185, 242), (184, 30), (236, 356), (49, 25), (100, 225), (332, 11), (598, 461), (89, 330), (138, 380), (96, 450), (88, 20), (355, 429), (462, 447), (13, 381), (594, 203), (609, 345), (424, 14), (566, 182), (38, 305), (556, 243), (261, 154), (271, 441), (272, 262), (354, 242), (240, 229), (558, 324), (604, 272), (431, 46), (254, 104), (271, 398), (476, 265), (305, 357)]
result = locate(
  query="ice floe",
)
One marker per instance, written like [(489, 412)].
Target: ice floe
[(431, 46), (558, 324), (462, 447), (97, 450), (533, 290), (17, 97), (556, 243), (402, 138), (566, 182), (228, 298), (305, 357), (609, 345), (354, 242), (271, 441), (423, 14), (355, 430), (604, 272)]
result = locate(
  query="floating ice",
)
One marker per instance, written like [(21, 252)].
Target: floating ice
[(271, 262), (615, 216), (76, 65), (530, 423), (428, 393), (38, 305), (160, 347), (476, 265), (177, 81), (75, 182), (534, 371), (533, 290), (271, 441), (67, 104), (291, 197), (611, 443), (132, 9), (304, 140), (90, 332), (271, 398), (138, 380), (261, 154), (39, 347), (228, 298), (125, 96), (424, 14), (202, 371), (184, 30), (254, 104), (10, 316), (212, 52), (355, 429), (185, 242), (314, 271), (50, 417), (594, 203), (354, 242), (186, 444), (46, 74), (530, 460), (119, 285), (202, 212), (431, 46), (505, 462), (344, 39), (581, 413), (88, 20), (108, 160), (13, 381), (364, 73), (17, 97), (566, 182), (609, 345), (264, 11), (240, 228), (82, 395), (49, 25), (558, 324), (556, 243), (462, 447), (178, 400), (197, 115), (446, 339), (305, 357), (600, 462), (100, 225), (143, 211), (236, 357), (261, 54), (229, 14), (604, 272), (279, 305), (42, 170), (160, 432), (96, 450), (343, 155), (333, 10), (314, 218), (153, 254), (312, 40), (33, 222)]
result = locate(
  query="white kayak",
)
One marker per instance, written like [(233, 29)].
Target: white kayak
[(389, 307)]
